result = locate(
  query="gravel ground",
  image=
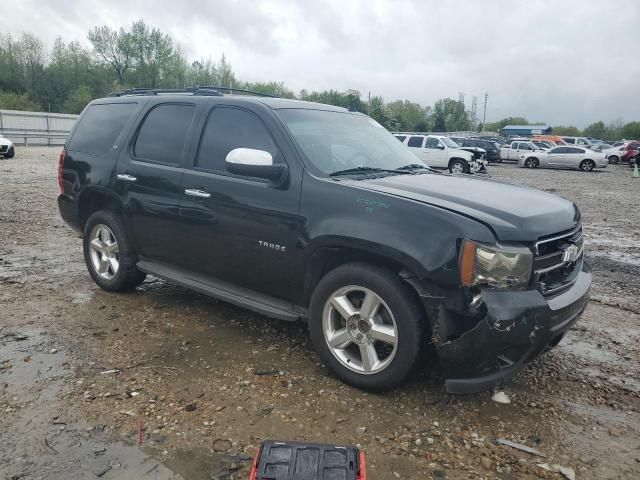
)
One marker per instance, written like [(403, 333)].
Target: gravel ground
[(166, 383)]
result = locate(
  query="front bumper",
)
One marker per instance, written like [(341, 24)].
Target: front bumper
[(518, 327)]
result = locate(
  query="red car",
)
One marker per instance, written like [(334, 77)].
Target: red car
[(631, 152)]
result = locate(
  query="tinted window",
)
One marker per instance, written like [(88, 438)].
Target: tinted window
[(401, 137), (100, 126), (164, 132), (574, 150), (559, 150), (432, 143), (229, 128), (569, 140), (415, 142)]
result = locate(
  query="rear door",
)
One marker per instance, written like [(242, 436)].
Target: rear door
[(415, 144), (555, 156), (241, 230), (149, 177), (573, 157)]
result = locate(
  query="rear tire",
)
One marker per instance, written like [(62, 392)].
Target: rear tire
[(587, 165), (109, 253), (366, 326)]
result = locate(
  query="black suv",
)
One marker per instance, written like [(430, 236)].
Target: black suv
[(491, 147), (300, 210)]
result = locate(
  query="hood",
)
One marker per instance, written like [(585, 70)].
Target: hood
[(513, 213), (5, 141), (462, 151)]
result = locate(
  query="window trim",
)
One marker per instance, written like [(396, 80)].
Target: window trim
[(185, 147), (193, 165)]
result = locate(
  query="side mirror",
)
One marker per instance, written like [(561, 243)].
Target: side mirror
[(250, 162), (440, 147)]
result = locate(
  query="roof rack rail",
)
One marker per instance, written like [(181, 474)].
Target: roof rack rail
[(155, 91), (240, 90)]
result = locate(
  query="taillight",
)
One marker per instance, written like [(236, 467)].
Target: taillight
[(60, 169)]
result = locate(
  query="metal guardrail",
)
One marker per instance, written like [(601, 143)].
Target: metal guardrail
[(36, 128)]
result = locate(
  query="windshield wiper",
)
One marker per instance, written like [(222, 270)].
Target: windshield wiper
[(364, 170), (415, 166)]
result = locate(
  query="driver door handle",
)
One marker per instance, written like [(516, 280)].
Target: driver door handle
[(197, 193), (126, 177)]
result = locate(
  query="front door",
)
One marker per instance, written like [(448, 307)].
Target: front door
[(149, 178), (436, 152), (240, 230)]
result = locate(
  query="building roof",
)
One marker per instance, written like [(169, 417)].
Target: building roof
[(526, 127)]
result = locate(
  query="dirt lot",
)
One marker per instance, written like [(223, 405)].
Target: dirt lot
[(86, 375)]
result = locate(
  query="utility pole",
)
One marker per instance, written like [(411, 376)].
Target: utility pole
[(484, 115), (369, 104)]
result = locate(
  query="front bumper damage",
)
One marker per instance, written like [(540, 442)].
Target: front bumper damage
[(517, 328)]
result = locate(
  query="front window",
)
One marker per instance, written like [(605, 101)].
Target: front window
[(449, 143), (336, 141)]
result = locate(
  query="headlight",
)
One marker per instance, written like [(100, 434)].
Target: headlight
[(495, 267)]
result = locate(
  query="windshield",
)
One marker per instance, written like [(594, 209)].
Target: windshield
[(336, 141), (449, 143)]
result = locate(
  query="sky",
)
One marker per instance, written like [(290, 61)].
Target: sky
[(563, 62)]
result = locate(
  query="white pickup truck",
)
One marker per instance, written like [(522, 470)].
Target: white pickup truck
[(513, 150), (439, 151)]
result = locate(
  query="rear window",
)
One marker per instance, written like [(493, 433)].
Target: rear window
[(100, 126), (164, 132), (415, 141)]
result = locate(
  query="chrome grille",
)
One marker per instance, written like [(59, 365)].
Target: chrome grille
[(558, 261)]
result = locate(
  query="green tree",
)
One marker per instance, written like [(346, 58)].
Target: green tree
[(408, 116), (78, 99), (376, 110), (113, 47), (569, 131), (631, 131), (278, 89), (17, 101), (449, 116), (595, 130)]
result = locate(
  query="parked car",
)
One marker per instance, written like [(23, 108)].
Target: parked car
[(565, 157), (543, 145), (554, 139), (631, 152), (582, 141), (300, 210), (7, 149), (491, 148), (439, 151), (513, 150), (613, 154)]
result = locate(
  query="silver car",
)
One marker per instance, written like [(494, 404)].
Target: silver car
[(565, 157)]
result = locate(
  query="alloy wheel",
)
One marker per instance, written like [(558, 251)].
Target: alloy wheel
[(457, 168), (105, 259), (360, 329)]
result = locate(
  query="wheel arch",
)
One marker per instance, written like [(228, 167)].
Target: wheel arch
[(92, 199), (328, 257)]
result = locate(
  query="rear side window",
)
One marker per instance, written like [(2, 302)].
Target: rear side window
[(401, 137), (100, 126), (164, 132), (415, 142), (229, 128)]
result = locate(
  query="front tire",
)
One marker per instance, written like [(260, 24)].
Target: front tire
[(109, 253), (366, 326), (458, 166), (10, 153), (613, 159), (587, 165), (531, 162)]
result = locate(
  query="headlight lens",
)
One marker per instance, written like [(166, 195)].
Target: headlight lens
[(494, 267)]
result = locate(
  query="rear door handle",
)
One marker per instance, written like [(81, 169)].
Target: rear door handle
[(126, 177), (197, 193)]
